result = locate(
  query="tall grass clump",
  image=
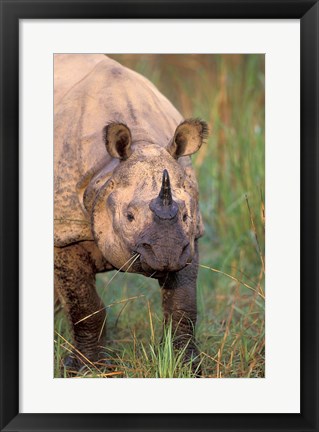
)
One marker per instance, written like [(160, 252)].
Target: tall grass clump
[(227, 91), (157, 359)]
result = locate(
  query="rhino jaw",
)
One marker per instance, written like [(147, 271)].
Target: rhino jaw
[(167, 259)]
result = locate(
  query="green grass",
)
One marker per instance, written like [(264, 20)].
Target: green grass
[(228, 92)]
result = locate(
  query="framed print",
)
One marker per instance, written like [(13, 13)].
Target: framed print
[(103, 104)]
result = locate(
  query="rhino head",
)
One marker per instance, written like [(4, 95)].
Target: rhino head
[(145, 217)]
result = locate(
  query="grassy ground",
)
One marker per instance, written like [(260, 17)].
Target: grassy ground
[(228, 92)]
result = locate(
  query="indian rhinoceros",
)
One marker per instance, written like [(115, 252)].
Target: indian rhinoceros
[(125, 196)]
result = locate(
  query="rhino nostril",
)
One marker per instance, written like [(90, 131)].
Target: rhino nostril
[(146, 252), (146, 247)]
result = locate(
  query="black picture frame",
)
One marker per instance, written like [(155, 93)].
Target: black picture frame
[(11, 11)]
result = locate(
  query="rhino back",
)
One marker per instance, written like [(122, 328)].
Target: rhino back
[(69, 69), (110, 92)]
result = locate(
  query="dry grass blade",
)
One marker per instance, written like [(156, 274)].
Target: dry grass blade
[(110, 305), (234, 279), (212, 358), (110, 374), (255, 233), (102, 327), (134, 258), (124, 306)]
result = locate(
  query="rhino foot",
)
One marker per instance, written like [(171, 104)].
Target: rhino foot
[(71, 365), (74, 366)]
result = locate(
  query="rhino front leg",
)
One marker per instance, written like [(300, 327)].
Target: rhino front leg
[(179, 307), (74, 279)]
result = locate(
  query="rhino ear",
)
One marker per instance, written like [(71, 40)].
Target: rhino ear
[(118, 140), (188, 138)]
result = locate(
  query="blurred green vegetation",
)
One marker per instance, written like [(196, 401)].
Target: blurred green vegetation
[(227, 91)]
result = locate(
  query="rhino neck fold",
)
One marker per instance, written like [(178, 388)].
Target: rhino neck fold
[(90, 185)]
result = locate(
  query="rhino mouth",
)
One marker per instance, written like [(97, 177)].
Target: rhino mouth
[(163, 259), (145, 270)]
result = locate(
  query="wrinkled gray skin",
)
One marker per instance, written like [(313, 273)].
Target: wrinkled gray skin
[(125, 195)]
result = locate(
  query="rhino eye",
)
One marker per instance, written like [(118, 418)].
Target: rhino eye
[(130, 217), (184, 217)]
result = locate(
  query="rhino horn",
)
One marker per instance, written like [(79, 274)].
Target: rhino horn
[(164, 207), (165, 193)]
